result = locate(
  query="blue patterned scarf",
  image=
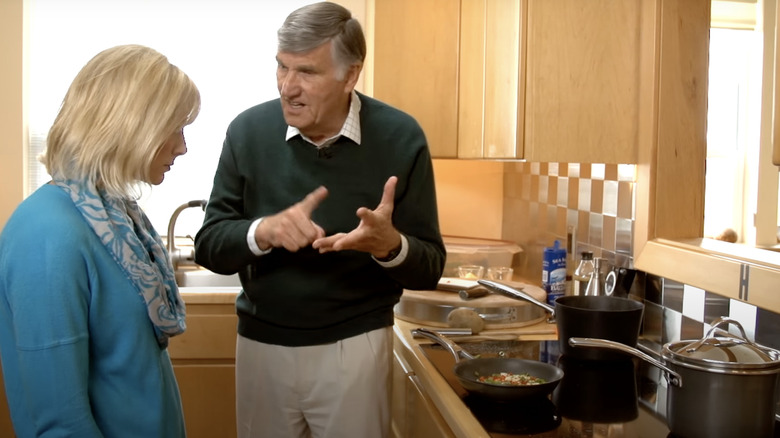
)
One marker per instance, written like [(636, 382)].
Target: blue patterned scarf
[(132, 241)]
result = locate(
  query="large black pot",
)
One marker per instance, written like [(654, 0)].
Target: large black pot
[(719, 386), (604, 317), (468, 369), (597, 391)]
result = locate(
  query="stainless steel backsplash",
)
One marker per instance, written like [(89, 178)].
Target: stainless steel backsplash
[(543, 202)]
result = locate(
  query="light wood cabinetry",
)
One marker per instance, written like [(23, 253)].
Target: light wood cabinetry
[(491, 79), (416, 65), (456, 67), (413, 412), (541, 80), (204, 362), (589, 69)]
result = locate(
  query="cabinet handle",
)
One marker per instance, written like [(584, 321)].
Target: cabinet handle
[(402, 363)]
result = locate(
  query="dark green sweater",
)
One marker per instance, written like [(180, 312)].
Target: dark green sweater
[(307, 298)]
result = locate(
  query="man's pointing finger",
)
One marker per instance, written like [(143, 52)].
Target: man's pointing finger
[(313, 200)]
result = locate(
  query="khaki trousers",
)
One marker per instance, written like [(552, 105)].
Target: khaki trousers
[(338, 390)]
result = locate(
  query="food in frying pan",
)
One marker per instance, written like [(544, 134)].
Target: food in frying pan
[(511, 379)]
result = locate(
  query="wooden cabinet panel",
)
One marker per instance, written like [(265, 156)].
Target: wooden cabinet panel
[(208, 394), (503, 93), (584, 79), (204, 362), (398, 405), (542, 80), (471, 82), (413, 413), (206, 337), (416, 65), (491, 82), (423, 419)]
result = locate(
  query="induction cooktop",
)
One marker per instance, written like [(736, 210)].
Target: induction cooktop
[(594, 398)]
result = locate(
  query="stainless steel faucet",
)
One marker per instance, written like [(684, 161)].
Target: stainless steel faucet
[(173, 252)]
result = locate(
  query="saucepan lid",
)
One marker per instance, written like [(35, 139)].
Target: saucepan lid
[(720, 351)]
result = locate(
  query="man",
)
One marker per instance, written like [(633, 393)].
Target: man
[(324, 203)]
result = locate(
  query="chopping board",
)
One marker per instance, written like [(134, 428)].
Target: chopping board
[(452, 298), (431, 307)]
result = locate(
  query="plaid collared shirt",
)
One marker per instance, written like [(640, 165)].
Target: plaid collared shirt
[(350, 129)]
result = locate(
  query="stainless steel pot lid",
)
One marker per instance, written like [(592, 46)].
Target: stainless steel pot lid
[(726, 354), (434, 308)]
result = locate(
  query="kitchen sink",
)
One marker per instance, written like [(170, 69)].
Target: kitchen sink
[(196, 276)]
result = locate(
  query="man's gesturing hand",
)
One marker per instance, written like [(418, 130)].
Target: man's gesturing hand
[(374, 234), (292, 228)]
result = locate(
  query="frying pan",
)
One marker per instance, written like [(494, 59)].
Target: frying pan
[(468, 369), (606, 317)]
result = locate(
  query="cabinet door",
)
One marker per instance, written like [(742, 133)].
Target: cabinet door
[(398, 405), (491, 81), (204, 362), (413, 413), (208, 394), (416, 65), (589, 79)]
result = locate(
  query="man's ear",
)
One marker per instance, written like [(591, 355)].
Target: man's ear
[(352, 76)]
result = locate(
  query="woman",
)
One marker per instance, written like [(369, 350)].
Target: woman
[(88, 298)]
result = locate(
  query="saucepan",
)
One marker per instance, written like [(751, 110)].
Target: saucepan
[(468, 369), (719, 386), (605, 317)]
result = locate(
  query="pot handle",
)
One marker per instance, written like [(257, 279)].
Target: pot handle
[(517, 294), (444, 341), (723, 320), (672, 377)]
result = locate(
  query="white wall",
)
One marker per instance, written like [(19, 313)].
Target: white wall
[(228, 48)]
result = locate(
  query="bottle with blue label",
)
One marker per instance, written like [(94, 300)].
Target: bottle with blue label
[(554, 272)]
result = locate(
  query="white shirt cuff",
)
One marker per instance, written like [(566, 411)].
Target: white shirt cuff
[(399, 258), (250, 239)]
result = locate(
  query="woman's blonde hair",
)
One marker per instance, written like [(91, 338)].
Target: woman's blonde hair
[(117, 114)]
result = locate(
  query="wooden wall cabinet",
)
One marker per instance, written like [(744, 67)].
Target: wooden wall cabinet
[(540, 80), (204, 360), (491, 78), (416, 65), (589, 72), (455, 67)]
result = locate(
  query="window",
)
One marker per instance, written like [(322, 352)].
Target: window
[(733, 120), (227, 47), (741, 183)]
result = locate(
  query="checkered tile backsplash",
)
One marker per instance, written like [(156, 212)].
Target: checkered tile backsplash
[(595, 203)]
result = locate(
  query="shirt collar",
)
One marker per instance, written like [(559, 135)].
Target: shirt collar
[(350, 129)]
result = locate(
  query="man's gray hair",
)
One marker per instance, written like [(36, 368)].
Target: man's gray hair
[(314, 25)]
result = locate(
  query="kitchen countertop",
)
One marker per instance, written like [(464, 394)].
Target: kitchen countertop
[(209, 294)]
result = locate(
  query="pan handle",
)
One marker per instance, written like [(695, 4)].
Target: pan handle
[(442, 340), (517, 294), (672, 377)]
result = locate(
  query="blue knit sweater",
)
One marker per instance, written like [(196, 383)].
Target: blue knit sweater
[(307, 298), (79, 355)]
